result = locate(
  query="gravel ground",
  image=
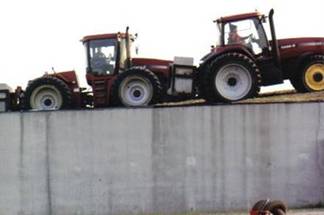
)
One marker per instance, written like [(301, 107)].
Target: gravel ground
[(290, 212), (319, 211), (307, 212), (287, 96)]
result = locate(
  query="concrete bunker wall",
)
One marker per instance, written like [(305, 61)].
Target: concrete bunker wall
[(121, 161)]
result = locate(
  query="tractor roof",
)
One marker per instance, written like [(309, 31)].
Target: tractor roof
[(238, 17), (103, 36)]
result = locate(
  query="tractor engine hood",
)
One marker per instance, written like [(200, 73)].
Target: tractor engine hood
[(294, 47), (301, 42), (151, 62), (69, 77), (155, 65)]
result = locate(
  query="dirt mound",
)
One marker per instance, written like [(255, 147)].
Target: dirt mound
[(287, 96)]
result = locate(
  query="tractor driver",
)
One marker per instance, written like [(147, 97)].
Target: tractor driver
[(99, 62), (234, 37), (99, 54)]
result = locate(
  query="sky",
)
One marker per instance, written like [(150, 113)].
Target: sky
[(38, 35)]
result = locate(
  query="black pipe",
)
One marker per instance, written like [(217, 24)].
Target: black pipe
[(274, 43), (128, 57)]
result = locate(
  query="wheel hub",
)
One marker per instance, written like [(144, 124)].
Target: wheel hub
[(232, 82), (314, 77), (48, 102), (137, 93), (318, 77)]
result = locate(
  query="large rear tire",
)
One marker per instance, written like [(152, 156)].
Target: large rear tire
[(231, 77), (47, 93), (136, 87), (310, 77)]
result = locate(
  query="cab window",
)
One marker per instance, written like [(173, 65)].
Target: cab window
[(249, 33), (103, 56)]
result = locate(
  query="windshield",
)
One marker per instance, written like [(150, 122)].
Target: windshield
[(249, 33), (102, 56)]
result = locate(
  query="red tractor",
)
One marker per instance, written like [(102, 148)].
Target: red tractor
[(246, 59), (243, 61), (115, 78)]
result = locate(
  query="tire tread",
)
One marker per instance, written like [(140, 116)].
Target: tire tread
[(209, 92), (140, 71), (60, 85), (297, 79)]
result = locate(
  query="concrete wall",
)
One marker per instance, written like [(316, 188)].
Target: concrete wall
[(121, 161)]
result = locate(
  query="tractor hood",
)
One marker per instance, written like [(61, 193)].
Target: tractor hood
[(305, 41), (292, 47), (155, 65), (150, 61), (69, 77)]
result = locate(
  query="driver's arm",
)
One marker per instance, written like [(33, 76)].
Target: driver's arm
[(244, 38)]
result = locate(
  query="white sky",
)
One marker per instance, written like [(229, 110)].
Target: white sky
[(37, 35)]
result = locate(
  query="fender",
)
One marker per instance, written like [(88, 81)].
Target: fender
[(304, 57), (70, 78), (224, 50), (292, 65)]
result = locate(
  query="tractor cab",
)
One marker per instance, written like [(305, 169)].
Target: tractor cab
[(244, 30), (245, 33), (107, 54)]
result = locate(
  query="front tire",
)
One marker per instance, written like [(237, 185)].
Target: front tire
[(231, 77), (135, 88), (310, 78), (47, 93)]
